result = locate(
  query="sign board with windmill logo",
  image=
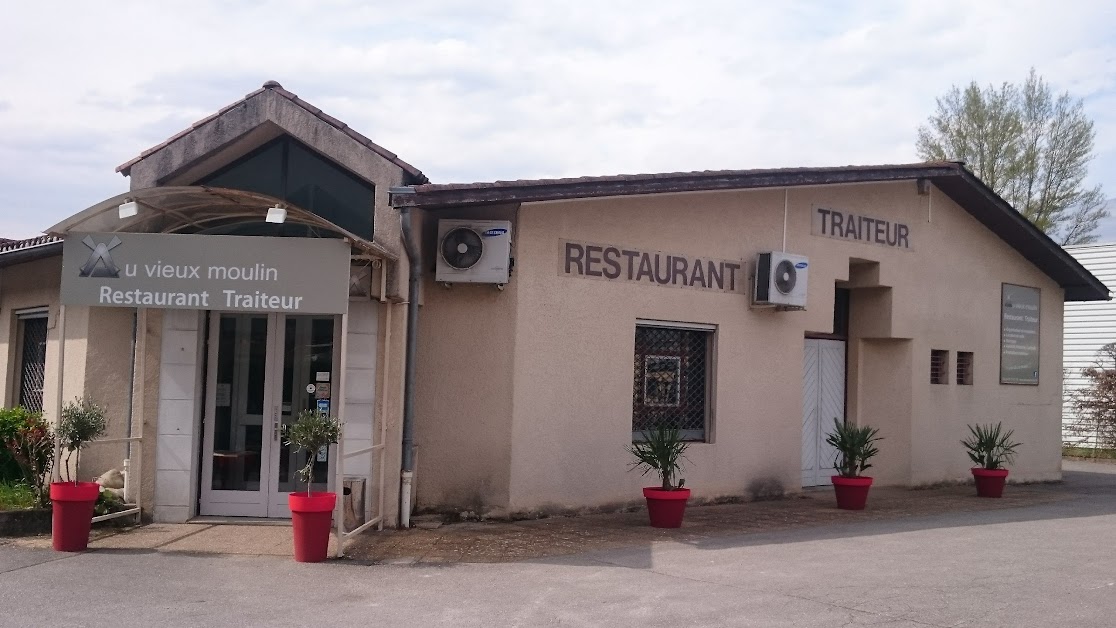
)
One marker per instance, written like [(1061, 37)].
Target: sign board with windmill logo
[(206, 272)]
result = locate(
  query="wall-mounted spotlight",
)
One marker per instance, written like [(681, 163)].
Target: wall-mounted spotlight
[(127, 209), (277, 215)]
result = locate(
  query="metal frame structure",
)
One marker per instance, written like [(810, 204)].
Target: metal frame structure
[(193, 209)]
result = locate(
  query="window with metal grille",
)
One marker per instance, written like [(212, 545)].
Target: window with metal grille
[(965, 368), (939, 366), (32, 360), (672, 374)]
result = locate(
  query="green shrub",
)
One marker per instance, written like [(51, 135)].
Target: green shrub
[(662, 450), (855, 447), (32, 449), (11, 421), (989, 447)]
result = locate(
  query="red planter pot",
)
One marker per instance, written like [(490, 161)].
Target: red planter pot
[(72, 514), (666, 508), (990, 482), (312, 517), (852, 493)]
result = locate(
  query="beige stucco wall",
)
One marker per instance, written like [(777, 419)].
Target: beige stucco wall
[(463, 409), (97, 360), (571, 342)]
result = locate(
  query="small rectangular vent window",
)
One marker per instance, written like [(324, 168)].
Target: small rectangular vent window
[(939, 366), (965, 368)]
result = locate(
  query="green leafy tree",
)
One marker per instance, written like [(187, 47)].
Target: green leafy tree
[(310, 432), (83, 421), (1031, 147)]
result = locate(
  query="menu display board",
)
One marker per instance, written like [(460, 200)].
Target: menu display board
[(1019, 334)]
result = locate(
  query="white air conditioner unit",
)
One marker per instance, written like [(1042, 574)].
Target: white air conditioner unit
[(781, 280), (474, 251)]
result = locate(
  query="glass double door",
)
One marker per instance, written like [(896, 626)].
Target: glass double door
[(262, 371)]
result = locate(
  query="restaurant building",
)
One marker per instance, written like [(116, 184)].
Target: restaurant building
[(494, 347)]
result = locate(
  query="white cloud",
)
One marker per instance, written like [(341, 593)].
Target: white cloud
[(518, 89)]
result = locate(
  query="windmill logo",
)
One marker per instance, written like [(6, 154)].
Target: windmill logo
[(100, 262)]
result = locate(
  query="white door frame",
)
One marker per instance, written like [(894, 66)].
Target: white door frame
[(266, 500)]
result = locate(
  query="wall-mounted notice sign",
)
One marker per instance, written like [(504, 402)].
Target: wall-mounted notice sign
[(1020, 309)]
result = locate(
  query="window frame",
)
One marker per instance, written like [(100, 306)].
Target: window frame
[(970, 363), (19, 317), (711, 333), (943, 374)]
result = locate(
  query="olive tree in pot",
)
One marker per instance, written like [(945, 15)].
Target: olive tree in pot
[(72, 502), (662, 450), (311, 512), (855, 446), (990, 447)]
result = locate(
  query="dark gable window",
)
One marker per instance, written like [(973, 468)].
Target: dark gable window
[(671, 386), (291, 171)]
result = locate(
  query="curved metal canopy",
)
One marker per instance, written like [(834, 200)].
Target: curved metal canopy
[(207, 210)]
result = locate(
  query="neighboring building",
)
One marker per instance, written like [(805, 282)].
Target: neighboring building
[(1089, 326), (259, 267)]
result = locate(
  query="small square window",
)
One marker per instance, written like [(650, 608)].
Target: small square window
[(965, 368), (939, 366)]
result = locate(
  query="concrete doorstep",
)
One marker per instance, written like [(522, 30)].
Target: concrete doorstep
[(504, 541)]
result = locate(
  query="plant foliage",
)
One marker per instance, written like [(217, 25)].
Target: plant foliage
[(1030, 146), (989, 446), (1095, 404), (855, 447), (83, 421), (11, 421), (310, 432), (32, 448), (661, 450)]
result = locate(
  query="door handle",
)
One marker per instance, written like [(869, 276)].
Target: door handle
[(275, 424)]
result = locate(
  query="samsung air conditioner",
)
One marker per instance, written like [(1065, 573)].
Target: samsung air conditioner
[(474, 251), (781, 280)]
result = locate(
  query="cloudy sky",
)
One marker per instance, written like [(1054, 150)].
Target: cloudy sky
[(493, 89)]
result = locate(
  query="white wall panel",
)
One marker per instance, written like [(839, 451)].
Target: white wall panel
[(1088, 326)]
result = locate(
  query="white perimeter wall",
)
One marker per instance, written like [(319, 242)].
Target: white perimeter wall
[(1089, 325)]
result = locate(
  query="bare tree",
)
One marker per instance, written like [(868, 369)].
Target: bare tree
[(1029, 146), (1095, 404)]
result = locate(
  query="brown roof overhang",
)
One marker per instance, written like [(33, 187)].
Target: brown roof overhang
[(952, 178)]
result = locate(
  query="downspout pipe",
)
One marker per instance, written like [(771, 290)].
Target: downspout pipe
[(410, 366)]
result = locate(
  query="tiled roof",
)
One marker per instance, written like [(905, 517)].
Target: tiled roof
[(11, 246), (276, 88)]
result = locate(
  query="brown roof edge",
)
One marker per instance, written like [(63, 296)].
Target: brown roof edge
[(457, 194), (274, 86), (951, 177), (19, 251)]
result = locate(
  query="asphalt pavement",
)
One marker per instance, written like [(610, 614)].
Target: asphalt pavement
[(1052, 564)]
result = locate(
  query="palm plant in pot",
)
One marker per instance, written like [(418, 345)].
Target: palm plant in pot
[(662, 451), (855, 446), (72, 502), (990, 447), (311, 512)]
